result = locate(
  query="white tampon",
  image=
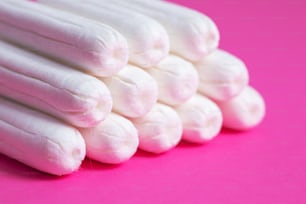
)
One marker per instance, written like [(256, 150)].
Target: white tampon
[(222, 75), (147, 39), (39, 140), (53, 88), (89, 46), (113, 141), (192, 34), (244, 111), (201, 118), (159, 130), (177, 80), (133, 90)]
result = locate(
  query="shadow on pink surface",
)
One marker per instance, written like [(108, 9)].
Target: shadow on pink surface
[(89, 164), (12, 168)]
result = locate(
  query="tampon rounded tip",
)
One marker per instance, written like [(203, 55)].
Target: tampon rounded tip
[(203, 38), (111, 62), (113, 141), (70, 152), (192, 35), (152, 46), (38, 140), (133, 90), (97, 103), (222, 75), (201, 118), (177, 80), (244, 111), (212, 37), (159, 130)]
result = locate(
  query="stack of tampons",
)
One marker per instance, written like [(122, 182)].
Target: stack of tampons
[(103, 78)]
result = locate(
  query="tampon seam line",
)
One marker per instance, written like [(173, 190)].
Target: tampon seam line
[(74, 95), (51, 39)]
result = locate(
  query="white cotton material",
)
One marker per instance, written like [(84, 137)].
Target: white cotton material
[(56, 89), (177, 80), (192, 34), (113, 141), (147, 39), (201, 118), (39, 140), (133, 90), (159, 130), (222, 75), (244, 111), (87, 45)]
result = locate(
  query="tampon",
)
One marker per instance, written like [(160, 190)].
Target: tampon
[(88, 45), (133, 90), (201, 118), (244, 111), (159, 130), (148, 41), (53, 88), (114, 140), (177, 80), (192, 34), (222, 75), (39, 140)]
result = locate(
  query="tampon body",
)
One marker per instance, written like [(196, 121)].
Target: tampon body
[(65, 93), (88, 45), (222, 75), (244, 111), (159, 130), (148, 41), (177, 80), (39, 140), (201, 118), (113, 141), (192, 34), (133, 90)]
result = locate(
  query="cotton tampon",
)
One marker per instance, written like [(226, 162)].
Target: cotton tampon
[(177, 80), (133, 90), (56, 89), (222, 75), (244, 111), (201, 118), (192, 34), (147, 39), (89, 46), (113, 141), (159, 130), (38, 140)]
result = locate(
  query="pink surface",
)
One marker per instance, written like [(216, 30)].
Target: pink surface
[(265, 165)]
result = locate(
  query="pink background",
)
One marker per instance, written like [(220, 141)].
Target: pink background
[(265, 165)]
